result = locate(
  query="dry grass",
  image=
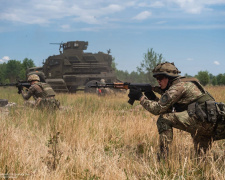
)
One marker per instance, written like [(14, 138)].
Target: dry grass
[(99, 138)]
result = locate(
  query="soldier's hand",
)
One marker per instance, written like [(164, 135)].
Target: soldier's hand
[(135, 93), (20, 89), (150, 95)]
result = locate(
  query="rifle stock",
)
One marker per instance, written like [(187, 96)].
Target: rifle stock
[(125, 85)]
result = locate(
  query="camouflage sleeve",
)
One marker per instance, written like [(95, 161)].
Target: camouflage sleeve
[(29, 93), (165, 103), (157, 90)]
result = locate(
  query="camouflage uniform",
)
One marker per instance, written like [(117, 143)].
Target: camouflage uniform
[(43, 94), (175, 106), (172, 108)]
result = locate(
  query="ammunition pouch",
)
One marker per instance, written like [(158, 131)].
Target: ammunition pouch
[(221, 107), (209, 111)]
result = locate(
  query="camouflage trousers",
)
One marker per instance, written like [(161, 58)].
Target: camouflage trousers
[(201, 132), (48, 103)]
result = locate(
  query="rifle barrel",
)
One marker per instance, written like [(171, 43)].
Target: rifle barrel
[(125, 85)]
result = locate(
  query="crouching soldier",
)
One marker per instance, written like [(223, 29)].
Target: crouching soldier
[(185, 105), (42, 93)]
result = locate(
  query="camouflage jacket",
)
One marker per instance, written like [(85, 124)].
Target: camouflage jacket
[(39, 90), (180, 94)]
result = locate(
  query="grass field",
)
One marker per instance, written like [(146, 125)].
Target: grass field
[(95, 137)]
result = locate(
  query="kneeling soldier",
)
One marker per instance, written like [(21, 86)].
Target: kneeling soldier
[(185, 105), (43, 94)]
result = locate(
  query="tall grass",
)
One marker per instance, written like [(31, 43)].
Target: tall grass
[(95, 137)]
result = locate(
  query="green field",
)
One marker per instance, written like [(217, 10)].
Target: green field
[(95, 137)]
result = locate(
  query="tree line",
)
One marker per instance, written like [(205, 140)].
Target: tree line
[(14, 69), (207, 78), (204, 77), (150, 60)]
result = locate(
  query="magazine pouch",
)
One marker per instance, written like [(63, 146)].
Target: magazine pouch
[(211, 110), (194, 109), (221, 111)]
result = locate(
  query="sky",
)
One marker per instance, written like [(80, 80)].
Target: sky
[(190, 33)]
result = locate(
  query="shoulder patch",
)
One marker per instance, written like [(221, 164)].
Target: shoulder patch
[(164, 99)]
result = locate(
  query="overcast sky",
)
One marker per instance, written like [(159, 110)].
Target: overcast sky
[(190, 33)]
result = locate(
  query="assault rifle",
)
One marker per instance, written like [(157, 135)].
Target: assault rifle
[(125, 85), (19, 84)]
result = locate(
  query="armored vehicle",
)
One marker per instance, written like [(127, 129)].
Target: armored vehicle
[(73, 69)]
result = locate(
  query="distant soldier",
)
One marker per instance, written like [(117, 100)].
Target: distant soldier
[(185, 105), (102, 81), (102, 91), (42, 93)]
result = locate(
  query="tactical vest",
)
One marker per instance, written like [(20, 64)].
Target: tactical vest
[(204, 108), (47, 90), (204, 97)]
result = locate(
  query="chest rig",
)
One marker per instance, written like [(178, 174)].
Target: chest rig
[(205, 108), (203, 98), (47, 91)]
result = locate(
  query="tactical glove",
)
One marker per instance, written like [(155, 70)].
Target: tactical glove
[(135, 93), (150, 95)]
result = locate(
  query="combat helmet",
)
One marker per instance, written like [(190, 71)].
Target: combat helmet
[(33, 77), (167, 69)]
